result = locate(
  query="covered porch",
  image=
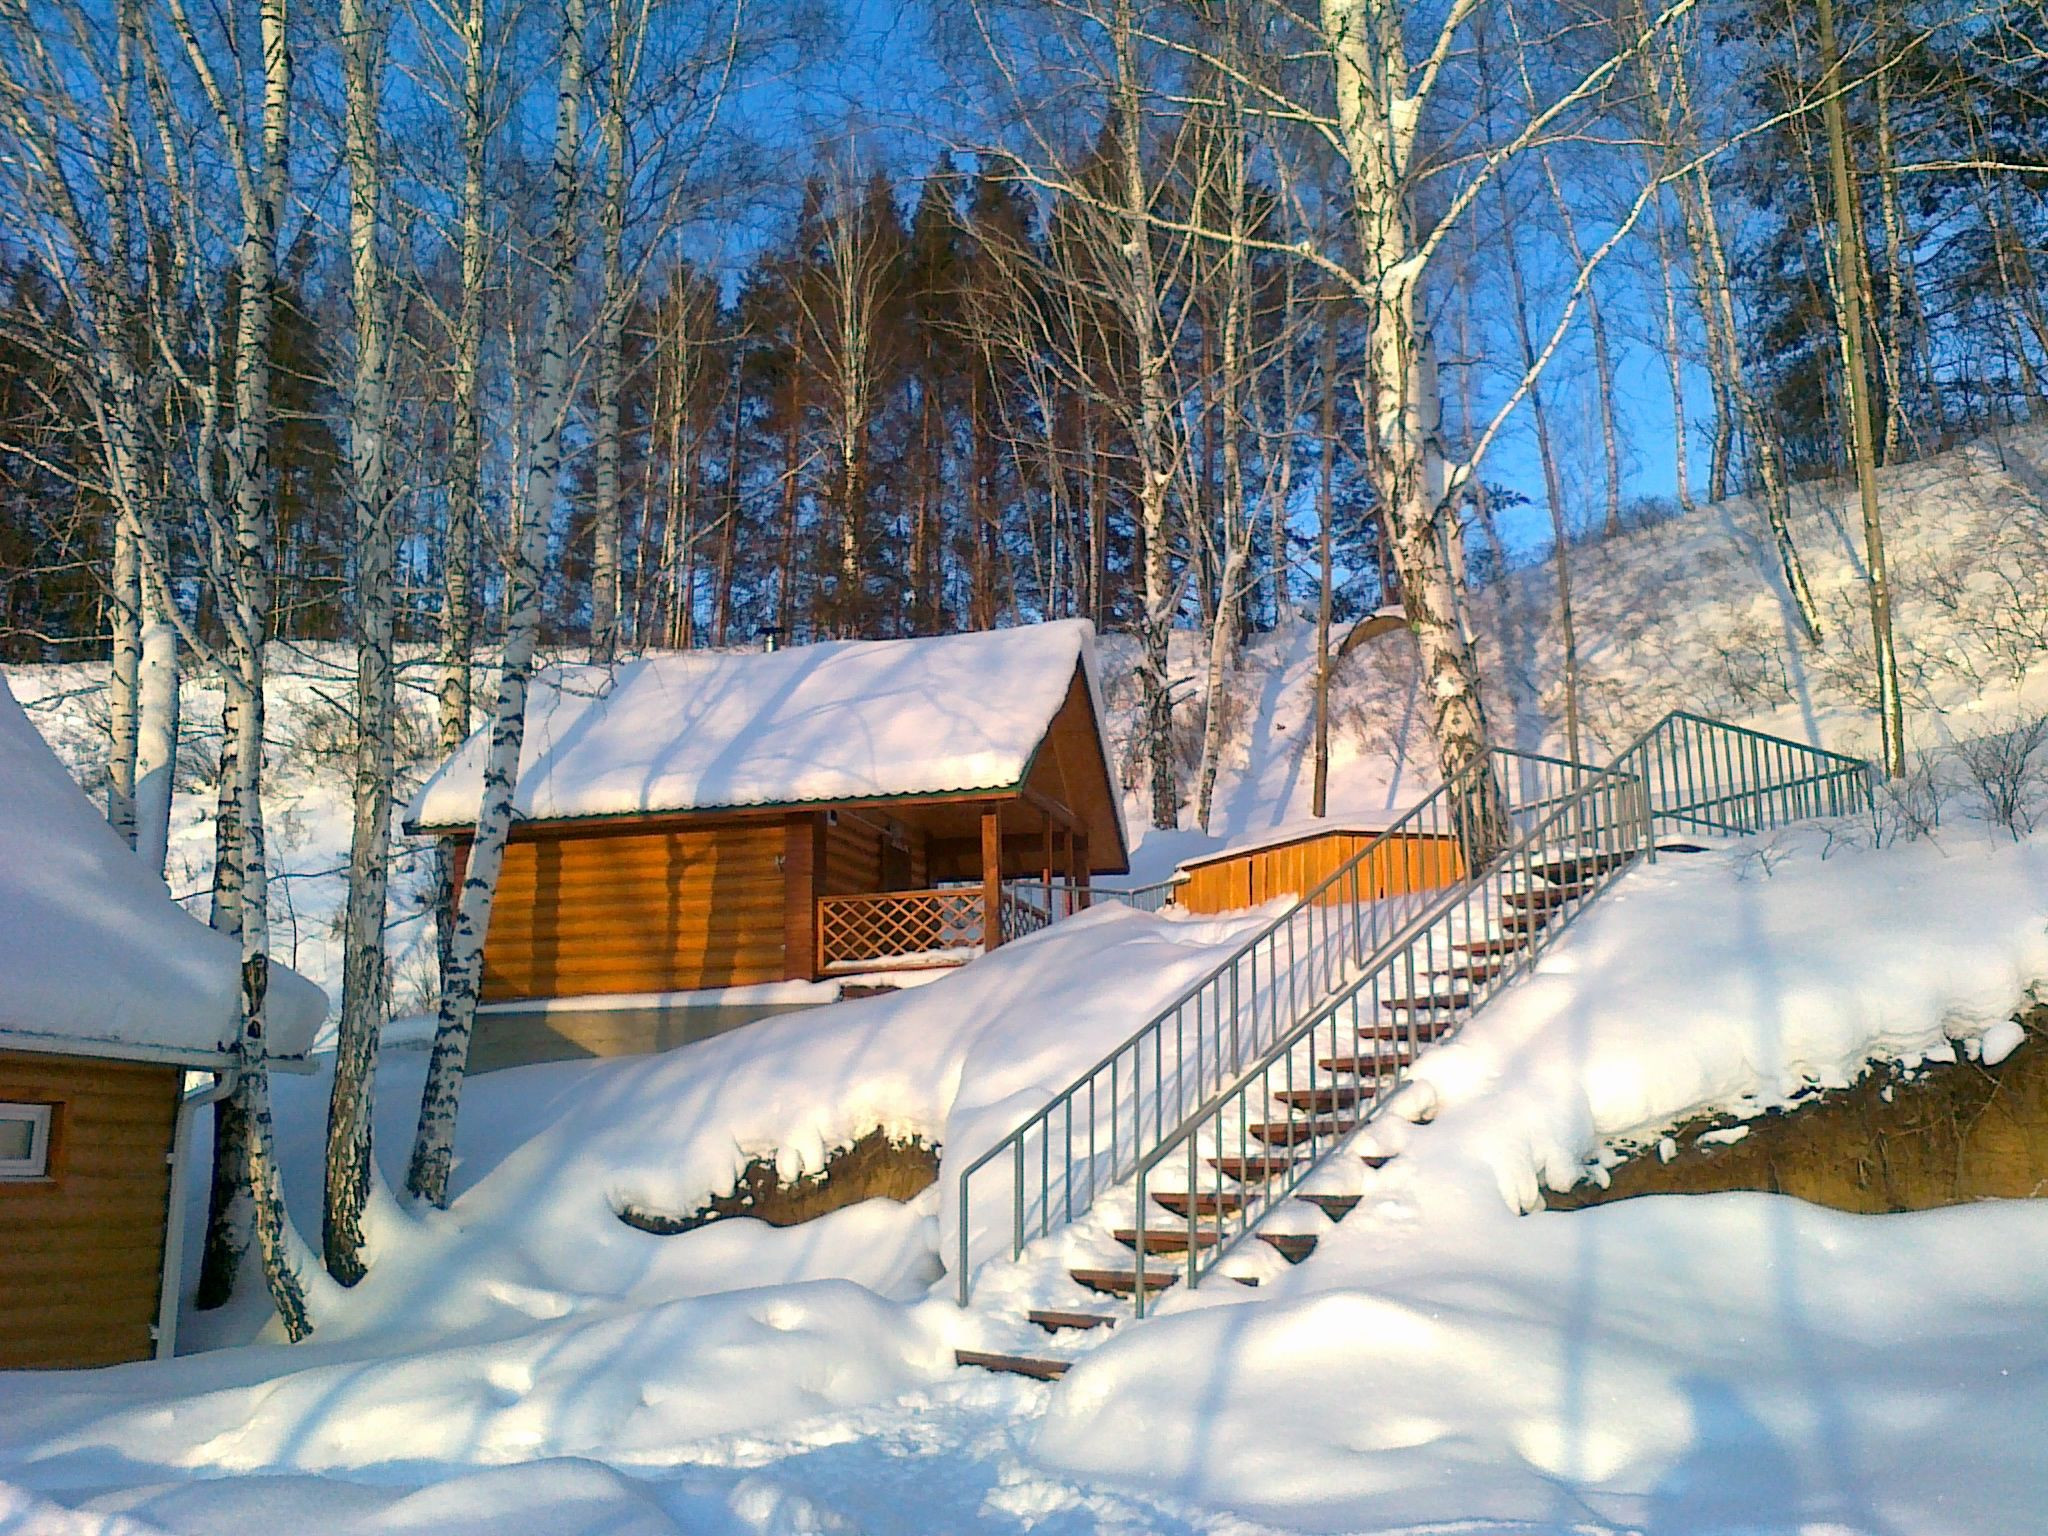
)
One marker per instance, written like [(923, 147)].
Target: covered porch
[(995, 869)]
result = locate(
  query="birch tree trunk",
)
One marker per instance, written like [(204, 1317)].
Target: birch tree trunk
[(124, 678), (434, 1142), (364, 984), (465, 467), (1377, 121), (1325, 515), (1553, 481), (1139, 295), (1862, 438), (229, 1201), (270, 181), (156, 734), (1236, 386), (607, 566), (262, 180)]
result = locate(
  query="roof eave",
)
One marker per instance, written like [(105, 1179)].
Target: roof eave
[(191, 1058)]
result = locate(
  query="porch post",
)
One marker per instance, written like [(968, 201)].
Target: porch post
[(991, 879), (1077, 865), (1049, 913)]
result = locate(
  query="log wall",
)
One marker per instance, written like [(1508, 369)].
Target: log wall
[(640, 911), (1230, 882), (81, 1251)]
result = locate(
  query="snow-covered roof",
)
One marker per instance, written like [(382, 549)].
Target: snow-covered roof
[(95, 957), (847, 720)]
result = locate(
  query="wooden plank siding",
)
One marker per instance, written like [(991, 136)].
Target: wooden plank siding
[(616, 911), (81, 1251), (1228, 882), (853, 855)]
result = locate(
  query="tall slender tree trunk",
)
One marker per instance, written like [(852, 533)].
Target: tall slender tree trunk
[(465, 456), (124, 677), (1674, 360), (1377, 124), (1325, 514), (434, 1142), (1553, 480), (365, 991), (228, 1203), (606, 566), (1862, 439), (262, 178), (156, 731), (1139, 292)]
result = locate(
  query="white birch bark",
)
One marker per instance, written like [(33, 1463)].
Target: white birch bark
[(156, 739), (229, 1203), (262, 181), (124, 603), (465, 448), (434, 1141), (1139, 298), (1377, 118), (607, 565), (365, 997)]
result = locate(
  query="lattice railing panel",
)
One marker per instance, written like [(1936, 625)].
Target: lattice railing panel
[(893, 925)]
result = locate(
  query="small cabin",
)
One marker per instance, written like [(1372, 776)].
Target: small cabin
[(110, 995), (717, 824), (1295, 859)]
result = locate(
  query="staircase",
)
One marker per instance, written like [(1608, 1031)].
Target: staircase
[(1391, 978)]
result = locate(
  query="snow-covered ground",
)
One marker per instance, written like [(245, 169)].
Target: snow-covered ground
[(1453, 1358)]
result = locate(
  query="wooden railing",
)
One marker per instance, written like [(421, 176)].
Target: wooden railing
[(946, 926), (884, 926)]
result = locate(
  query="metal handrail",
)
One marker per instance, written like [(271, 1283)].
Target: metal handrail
[(1200, 1039), (1680, 765)]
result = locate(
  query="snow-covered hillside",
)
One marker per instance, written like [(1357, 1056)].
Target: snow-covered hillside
[(1688, 613), (1453, 1357)]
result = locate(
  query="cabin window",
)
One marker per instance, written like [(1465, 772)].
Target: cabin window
[(24, 1141)]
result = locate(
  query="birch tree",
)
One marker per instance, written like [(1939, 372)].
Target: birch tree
[(1862, 441), (364, 31), (434, 1141), (76, 176), (261, 181)]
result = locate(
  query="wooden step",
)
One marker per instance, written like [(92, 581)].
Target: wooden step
[(1376, 1159), (1293, 1247), (1423, 1030), (1013, 1365), (1682, 848), (1366, 1064), (1336, 1207), (1528, 920), (1052, 1320), (1580, 867), (1256, 1168), (1506, 944), (1431, 1002), (1124, 1282), (1168, 1239), (1294, 1133), (1221, 1202), (1480, 971), (1545, 896), (1319, 1100)]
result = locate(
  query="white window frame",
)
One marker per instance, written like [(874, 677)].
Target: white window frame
[(37, 1164)]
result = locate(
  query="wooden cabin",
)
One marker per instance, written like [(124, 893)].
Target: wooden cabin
[(696, 822), (1293, 860), (110, 994)]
